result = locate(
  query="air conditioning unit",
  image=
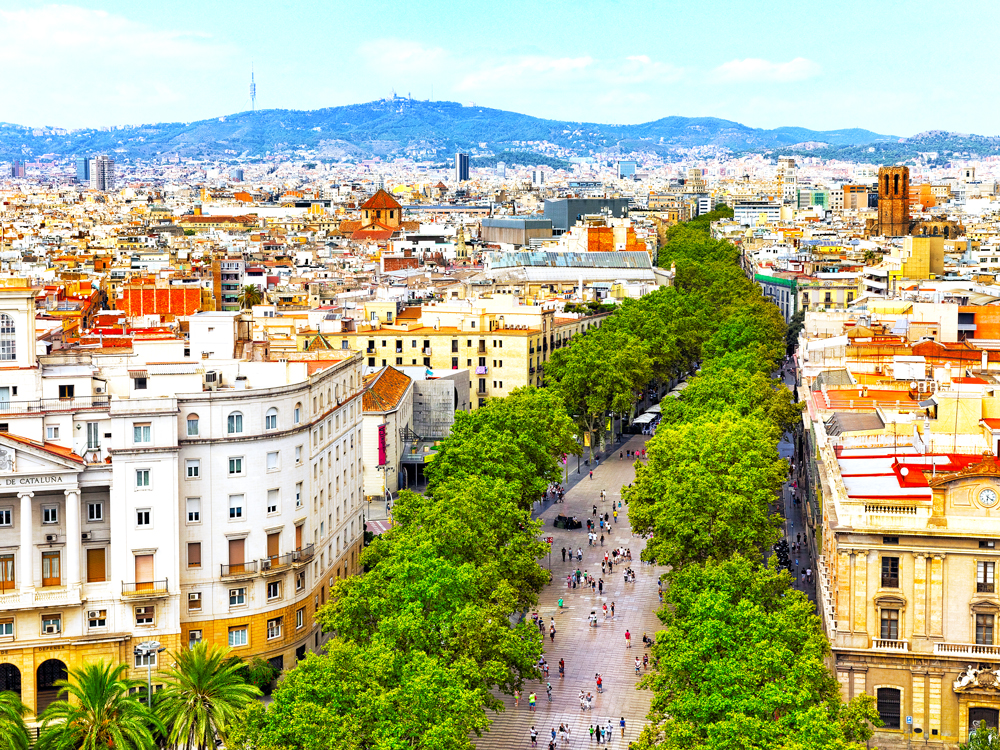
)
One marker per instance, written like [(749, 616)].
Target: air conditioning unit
[(51, 629), (51, 537), (194, 596), (211, 380), (93, 614), (87, 535)]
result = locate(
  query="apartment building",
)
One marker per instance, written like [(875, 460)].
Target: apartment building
[(177, 500)]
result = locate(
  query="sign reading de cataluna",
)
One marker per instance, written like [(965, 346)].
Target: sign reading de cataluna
[(21, 481)]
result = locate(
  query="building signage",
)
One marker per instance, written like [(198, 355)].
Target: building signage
[(17, 481)]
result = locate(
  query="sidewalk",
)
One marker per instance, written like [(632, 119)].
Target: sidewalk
[(588, 650)]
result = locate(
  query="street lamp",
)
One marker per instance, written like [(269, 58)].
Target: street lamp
[(146, 649)]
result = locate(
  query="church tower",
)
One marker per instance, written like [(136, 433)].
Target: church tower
[(894, 201)]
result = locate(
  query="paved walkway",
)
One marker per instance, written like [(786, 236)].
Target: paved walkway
[(588, 650)]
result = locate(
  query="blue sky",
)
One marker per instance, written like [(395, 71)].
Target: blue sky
[(893, 67)]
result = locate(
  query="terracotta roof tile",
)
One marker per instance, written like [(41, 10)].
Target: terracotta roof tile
[(384, 389), (380, 200)]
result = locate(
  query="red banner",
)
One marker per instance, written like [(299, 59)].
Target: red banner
[(381, 445)]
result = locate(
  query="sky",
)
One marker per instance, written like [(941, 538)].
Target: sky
[(896, 68)]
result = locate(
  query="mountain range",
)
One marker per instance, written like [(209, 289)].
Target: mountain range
[(427, 130)]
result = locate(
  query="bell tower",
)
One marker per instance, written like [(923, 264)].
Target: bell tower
[(894, 201)]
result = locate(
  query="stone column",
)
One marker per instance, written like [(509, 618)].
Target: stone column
[(26, 574), (918, 702), (919, 594), (861, 591), (937, 596), (73, 538), (935, 705)]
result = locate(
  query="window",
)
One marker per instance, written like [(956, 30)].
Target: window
[(192, 425), (298, 494), (272, 501), (7, 341), (67, 391), (274, 628), (141, 433), (50, 514), (142, 478), (194, 601), (273, 590), (887, 701), (297, 414), (235, 506), (890, 540), (145, 659), (143, 517), (271, 419), (52, 432), (890, 625), (194, 509), (139, 383), (984, 630), (97, 618), (234, 423), (238, 636), (6, 517), (51, 624), (235, 465), (272, 461), (300, 617), (984, 578), (237, 597), (890, 572), (300, 581), (7, 627), (144, 615), (194, 554), (95, 512), (193, 466), (987, 544), (194, 638), (298, 454)]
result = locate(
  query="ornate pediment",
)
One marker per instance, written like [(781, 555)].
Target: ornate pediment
[(988, 467), (977, 679)]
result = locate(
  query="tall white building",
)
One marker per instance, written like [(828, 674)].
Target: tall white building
[(102, 173), (145, 495)]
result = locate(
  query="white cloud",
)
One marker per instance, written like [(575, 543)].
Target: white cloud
[(755, 69), (97, 68)]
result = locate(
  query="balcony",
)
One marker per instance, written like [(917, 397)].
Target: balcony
[(303, 555), (482, 393), (369, 351), (276, 562), (144, 589), (966, 650), (239, 570), (427, 351), (45, 405), (984, 588), (890, 645), (481, 349)]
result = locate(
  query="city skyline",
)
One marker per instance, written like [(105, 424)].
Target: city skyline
[(596, 62)]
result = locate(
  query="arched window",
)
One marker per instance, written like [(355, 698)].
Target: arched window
[(271, 419), (895, 184), (297, 414), (886, 181), (192, 425), (234, 424), (8, 352), (887, 702)]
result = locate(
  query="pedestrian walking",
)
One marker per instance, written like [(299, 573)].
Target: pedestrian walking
[(548, 690), (533, 734), (621, 723), (612, 610), (600, 733), (602, 540), (637, 665), (595, 511), (562, 669), (608, 730), (600, 682), (628, 635), (591, 732), (553, 734), (564, 549), (645, 661), (600, 586), (605, 606), (552, 634), (517, 698), (620, 455), (591, 475), (531, 702)]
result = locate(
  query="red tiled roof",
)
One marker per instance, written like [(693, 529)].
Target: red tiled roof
[(52, 448), (372, 234), (384, 389), (381, 200)]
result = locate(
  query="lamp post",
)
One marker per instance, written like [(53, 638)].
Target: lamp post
[(146, 649)]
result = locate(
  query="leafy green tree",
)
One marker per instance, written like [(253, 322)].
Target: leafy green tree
[(705, 489), (13, 732), (795, 326), (249, 296), (983, 738), (98, 712), (203, 696), (738, 391)]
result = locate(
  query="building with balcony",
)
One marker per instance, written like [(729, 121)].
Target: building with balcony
[(176, 501)]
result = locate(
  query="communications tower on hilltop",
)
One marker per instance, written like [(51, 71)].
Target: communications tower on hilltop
[(253, 91)]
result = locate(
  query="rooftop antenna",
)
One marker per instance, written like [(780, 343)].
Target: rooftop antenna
[(253, 91)]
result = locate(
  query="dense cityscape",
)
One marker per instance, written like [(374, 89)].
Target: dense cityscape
[(562, 421)]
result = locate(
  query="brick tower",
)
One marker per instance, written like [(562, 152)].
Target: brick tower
[(894, 201)]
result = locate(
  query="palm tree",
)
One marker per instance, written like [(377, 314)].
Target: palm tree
[(249, 296), (98, 712), (13, 732), (203, 696)]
